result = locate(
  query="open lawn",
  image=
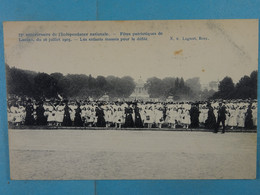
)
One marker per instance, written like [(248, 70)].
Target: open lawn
[(132, 154)]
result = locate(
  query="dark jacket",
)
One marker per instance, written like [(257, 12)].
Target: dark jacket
[(222, 113)]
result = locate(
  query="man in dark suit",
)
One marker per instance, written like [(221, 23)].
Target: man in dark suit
[(221, 117)]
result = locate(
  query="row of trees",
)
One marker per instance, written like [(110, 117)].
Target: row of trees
[(32, 84), (244, 89), (178, 88), (171, 86), (191, 88)]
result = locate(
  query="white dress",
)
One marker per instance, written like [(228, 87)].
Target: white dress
[(186, 119), (241, 119), (232, 122), (18, 117), (72, 115), (172, 116), (119, 117), (142, 114), (149, 117), (158, 116), (108, 115), (59, 114), (52, 116)]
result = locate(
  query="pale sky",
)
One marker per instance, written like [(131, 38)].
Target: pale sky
[(231, 49)]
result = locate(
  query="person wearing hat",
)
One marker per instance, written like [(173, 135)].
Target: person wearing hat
[(40, 118), (159, 117), (210, 122), (221, 117), (194, 115), (119, 117), (186, 118), (78, 120), (249, 118), (100, 116), (241, 117), (29, 119), (129, 122), (254, 115), (66, 117), (149, 117), (138, 120)]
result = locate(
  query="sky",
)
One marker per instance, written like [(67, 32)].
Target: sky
[(228, 48)]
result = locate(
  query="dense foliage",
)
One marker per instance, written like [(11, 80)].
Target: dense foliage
[(32, 84), (244, 89), (169, 86), (177, 88)]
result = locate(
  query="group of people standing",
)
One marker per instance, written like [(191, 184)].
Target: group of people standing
[(209, 115)]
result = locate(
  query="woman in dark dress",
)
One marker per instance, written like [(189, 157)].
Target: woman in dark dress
[(78, 120), (138, 119), (100, 116), (29, 119), (194, 116), (66, 119), (249, 118), (210, 122), (41, 119), (128, 116)]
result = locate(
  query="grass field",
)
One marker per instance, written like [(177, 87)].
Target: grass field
[(120, 154)]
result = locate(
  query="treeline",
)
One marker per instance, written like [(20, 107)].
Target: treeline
[(177, 88), (246, 88), (37, 85), (170, 86), (191, 88)]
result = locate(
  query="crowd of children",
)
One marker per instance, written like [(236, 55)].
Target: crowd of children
[(238, 114)]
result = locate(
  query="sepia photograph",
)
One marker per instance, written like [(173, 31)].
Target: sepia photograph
[(127, 100)]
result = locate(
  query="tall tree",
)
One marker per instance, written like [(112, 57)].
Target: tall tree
[(253, 84), (226, 89), (155, 87)]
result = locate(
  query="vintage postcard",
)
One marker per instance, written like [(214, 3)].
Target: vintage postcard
[(95, 100)]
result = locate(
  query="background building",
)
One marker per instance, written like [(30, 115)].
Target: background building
[(140, 92)]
